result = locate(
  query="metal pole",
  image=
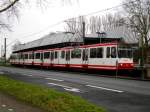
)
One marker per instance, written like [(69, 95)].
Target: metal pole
[(5, 50), (142, 64), (1, 51), (141, 46), (83, 32), (117, 68)]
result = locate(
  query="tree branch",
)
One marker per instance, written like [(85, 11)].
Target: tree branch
[(9, 6)]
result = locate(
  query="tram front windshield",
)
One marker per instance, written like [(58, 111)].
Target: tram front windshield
[(125, 53)]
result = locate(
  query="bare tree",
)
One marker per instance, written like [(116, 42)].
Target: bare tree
[(82, 21), (75, 25), (107, 22), (112, 21), (71, 25), (7, 4), (10, 8), (95, 24), (138, 13), (16, 44)]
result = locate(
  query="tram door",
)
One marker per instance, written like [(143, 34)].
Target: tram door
[(85, 56), (68, 57), (52, 57)]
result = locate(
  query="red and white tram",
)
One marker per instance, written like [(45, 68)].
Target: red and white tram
[(103, 56)]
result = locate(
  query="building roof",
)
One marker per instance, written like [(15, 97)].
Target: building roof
[(117, 34), (50, 39)]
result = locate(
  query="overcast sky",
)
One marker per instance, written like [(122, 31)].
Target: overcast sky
[(36, 22)]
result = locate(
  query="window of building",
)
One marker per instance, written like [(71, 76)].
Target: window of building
[(76, 53), (46, 55), (63, 54)]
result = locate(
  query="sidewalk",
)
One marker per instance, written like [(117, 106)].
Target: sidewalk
[(9, 104)]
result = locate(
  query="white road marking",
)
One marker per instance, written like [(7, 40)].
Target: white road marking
[(3, 105), (10, 109), (29, 75), (108, 89), (1, 72), (66, 87), (54, 79), (73, 90)]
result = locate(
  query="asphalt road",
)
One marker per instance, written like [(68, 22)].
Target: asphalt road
[(116, 95)]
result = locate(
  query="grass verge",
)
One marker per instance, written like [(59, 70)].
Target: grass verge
[(44, 98)]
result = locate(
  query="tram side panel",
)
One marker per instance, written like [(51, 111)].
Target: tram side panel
[(38, 58), (110, 59), (62, 58), (46, 58), (90, 57), (56, 58), (76, 58)]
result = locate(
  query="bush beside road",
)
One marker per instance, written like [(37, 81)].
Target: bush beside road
[(44, 98)]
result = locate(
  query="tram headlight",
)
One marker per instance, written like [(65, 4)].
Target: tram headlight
[(120, 64), (132, 64)]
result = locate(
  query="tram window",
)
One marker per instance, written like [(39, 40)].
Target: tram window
[(99, 53), (21, 56), (63, 54), (14, 57), (68, 55), (113, 52), (56, 54), (127, 53), (93, 53), (41, 56), (108, 52), (31, 56), (18, 56), (26, 56), (52, 55), (11, 57), (85, 55), (76, 53), (46, 55), (37, 56)]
